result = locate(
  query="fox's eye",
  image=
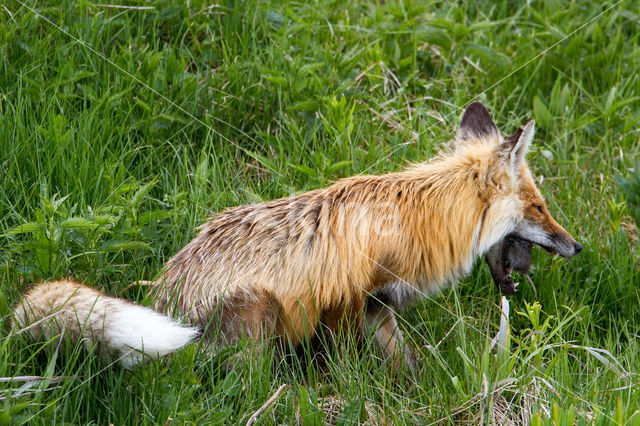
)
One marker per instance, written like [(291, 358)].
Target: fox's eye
[(538, 207)]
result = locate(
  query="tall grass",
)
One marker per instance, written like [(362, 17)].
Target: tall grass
[(121, 129)]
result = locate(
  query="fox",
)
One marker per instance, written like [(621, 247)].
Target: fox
[(347, 256)]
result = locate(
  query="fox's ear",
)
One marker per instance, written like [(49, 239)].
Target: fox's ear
[(476, 123), (515, 147)]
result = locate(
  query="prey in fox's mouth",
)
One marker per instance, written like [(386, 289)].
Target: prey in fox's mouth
[(508, 255)]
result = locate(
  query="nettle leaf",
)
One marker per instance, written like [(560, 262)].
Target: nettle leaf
[(127, 187), (306, 105), (57, 202), (79, 75), (118, 245), (78, 223), (304, 169), (105, 220), (337, 166), (310, 69), (25, 228), (138, 197)]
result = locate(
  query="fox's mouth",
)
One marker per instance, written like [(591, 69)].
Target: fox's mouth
[(511, 254), (546, 248)]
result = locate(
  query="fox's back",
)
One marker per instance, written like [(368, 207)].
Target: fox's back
[(282, 253)]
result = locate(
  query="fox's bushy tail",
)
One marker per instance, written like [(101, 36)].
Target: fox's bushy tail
[(123, 330)]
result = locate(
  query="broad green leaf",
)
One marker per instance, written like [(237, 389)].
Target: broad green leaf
[(25, 228), (304, 169), (117, 245), (78, 223), (337, 166)]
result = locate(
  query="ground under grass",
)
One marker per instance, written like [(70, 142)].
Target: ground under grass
[(122, 128)]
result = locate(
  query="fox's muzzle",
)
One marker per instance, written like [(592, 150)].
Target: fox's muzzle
[(565, 245), (562, 244), (549, 235)]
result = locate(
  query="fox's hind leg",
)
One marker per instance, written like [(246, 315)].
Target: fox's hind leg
[(252, 316), (382, 322)]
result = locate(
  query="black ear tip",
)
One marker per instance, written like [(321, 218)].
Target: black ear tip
[(476, 104), (476, 121), (477, 109)]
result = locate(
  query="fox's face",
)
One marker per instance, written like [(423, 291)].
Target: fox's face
[(518, 216), (537, 225)]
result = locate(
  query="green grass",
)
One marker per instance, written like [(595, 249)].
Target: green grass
[(122, 129)]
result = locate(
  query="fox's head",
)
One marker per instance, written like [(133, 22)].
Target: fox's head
[(517, 216)]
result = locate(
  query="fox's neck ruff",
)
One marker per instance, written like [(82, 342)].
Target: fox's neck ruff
[(450, 197)]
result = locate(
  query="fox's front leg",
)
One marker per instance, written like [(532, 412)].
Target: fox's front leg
[(380, 320)]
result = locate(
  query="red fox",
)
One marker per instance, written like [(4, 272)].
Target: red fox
[(342, 256)]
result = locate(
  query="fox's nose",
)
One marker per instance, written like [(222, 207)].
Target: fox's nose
[(577, 247)]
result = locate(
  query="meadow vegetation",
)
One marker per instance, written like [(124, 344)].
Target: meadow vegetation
[(123, 128)]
